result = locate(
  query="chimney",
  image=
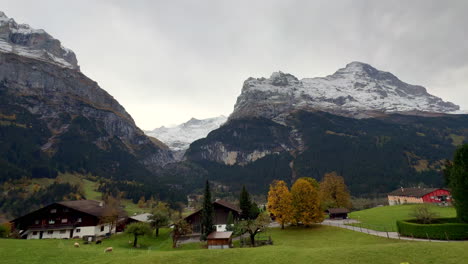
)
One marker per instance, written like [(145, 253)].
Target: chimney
[(402, 189)]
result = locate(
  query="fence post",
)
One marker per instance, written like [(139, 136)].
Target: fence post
[(446, 236), (427, 235), (386, 232)]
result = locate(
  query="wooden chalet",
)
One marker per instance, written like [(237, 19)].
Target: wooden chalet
[(219, 240), (67, 219), (420, 195), (221, 212), (337, 213)]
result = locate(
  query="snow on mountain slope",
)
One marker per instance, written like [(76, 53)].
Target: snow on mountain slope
[(179, 137), (23, 40), (354, 91)]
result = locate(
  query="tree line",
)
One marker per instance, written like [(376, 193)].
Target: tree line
[(306, 201)]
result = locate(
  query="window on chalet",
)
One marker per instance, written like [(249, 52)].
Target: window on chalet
[(50, 232), (36, 222), (65, 210), (64, 220), (53, 211), (63, 231), (102, 228), (77, 230), (35, 233), (79, 220), (51, 221)]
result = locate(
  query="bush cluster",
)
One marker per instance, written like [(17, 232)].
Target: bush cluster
[(446, 228)]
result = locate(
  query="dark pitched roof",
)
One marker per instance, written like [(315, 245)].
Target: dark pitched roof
[(90, 207), (337, 211), (412, 192), (228, 205), (219, 235), (86, 206), (220, 202)]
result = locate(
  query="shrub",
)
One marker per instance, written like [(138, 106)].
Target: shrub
[(5, 230), (424, 214), (446, 228)]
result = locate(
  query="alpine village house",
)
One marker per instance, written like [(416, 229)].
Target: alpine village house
[(67, 219), (221, 212)]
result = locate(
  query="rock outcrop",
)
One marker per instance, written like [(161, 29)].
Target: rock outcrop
[(80, 126)]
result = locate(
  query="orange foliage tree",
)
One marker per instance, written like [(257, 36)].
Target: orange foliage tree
[(280, 202), (333, 192), (306, 205)]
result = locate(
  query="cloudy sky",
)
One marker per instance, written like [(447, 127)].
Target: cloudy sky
[(168, 61)]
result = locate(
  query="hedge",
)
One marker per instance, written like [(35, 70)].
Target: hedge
[(448, 228)]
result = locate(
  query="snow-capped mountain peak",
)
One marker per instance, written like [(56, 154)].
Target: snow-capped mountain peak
[(179, 137), (353, 90), (23, 40)]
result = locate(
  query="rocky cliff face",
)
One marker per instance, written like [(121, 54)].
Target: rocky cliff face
[(23, 40), (358, 90), (40, 84)]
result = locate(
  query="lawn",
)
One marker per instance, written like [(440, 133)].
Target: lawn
[(318, 244), (384, 218)]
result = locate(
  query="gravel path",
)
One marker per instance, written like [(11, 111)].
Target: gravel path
[(392, 235)]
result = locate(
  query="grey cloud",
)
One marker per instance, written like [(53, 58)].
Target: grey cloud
[(167, 61)]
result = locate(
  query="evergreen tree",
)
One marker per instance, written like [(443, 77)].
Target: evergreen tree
[(245, 204), (230, 222), (207, 212), (457, 177)]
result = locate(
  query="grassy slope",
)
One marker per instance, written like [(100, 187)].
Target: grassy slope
[(384, 218), (319, 244)]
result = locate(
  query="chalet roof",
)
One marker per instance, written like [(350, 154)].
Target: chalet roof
[(228, 205), (413, 192), (141, 217), (337, 211), (219, 235), (219, 202), (91, 207)]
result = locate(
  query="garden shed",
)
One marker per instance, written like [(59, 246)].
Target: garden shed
[(219, 240), (337, 213)]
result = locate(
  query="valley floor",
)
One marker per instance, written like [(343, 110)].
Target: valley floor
[(318, 244)]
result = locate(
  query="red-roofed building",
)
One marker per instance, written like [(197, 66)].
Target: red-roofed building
[(420, 195)]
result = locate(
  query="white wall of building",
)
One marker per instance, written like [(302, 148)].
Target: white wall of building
[(59, 234), (77, 232)]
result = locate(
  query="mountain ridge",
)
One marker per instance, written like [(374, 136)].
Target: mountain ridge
[(351, 91)]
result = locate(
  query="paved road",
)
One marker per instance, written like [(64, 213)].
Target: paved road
[(392, 235)]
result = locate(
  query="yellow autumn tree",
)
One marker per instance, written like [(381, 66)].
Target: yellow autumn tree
[(306, 203), (333, 192), (280, 202)]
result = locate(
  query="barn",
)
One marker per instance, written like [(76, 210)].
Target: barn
[(402, 195), (337, 213), (219, 240)]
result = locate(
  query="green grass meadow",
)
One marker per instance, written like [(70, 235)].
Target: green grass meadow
[(384, 218), (318, 244)]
